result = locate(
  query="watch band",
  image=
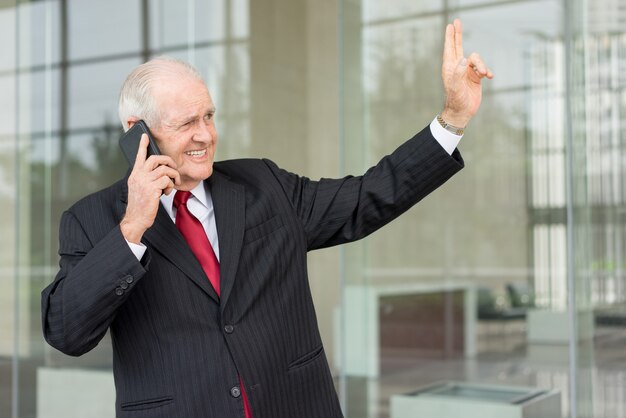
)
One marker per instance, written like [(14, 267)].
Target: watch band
[(450, 128)]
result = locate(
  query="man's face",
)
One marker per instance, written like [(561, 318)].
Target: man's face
[(187, 130)]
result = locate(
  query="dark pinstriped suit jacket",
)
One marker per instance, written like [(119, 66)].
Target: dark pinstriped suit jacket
[(178, 349)]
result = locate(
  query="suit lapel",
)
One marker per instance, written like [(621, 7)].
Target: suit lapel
[(165, 238), (230, 209)]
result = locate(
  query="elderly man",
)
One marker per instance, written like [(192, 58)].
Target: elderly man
[(199, 268)]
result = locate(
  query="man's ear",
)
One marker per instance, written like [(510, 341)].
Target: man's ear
[(131, 121)]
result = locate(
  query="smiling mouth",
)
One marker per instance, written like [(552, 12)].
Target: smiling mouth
[(196, 153)]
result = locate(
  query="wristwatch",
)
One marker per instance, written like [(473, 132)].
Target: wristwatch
[(450, 128)]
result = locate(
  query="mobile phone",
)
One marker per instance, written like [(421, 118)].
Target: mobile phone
[(129, 142)]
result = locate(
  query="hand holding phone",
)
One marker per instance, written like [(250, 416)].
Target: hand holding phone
[(129, 142), (152, 175)]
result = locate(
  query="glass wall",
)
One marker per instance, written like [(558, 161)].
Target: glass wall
[(63, 70), (510, 275), (272, 69)]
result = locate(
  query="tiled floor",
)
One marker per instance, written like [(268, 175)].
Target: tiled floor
[(506, 359)]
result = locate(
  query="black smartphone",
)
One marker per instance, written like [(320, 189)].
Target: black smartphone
[(129, 142)]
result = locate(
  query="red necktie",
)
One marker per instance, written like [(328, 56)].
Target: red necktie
[(194, 234)]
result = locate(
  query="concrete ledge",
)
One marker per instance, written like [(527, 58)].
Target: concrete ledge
[(75, 393)]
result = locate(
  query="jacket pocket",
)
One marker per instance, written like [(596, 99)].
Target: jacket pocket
[(259, 231), (306, 359), (146, 403)]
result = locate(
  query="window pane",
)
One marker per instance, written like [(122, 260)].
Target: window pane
[(505, 34), (178, 23), (7, 106), (94, 91), (240, 18), (103, 28), (7, 33), (39, 33), (39, 101)]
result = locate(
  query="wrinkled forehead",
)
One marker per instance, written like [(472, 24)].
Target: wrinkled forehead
[(179, 95)]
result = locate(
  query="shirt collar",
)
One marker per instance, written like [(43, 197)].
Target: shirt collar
[(199, 192)]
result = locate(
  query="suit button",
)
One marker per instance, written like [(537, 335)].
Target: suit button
[(124, 285), (229, 329), (129, 279), (235, 392), (119, 291)]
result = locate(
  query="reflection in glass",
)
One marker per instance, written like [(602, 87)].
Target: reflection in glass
[(97, 29), (501, 224), (94, 90)]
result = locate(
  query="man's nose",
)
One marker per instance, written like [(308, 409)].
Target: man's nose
[(204, 133)]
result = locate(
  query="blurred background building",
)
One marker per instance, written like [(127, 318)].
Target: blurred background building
[(513, 273)]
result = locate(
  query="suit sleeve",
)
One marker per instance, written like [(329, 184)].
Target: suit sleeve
[(336, 211), (93, 282)]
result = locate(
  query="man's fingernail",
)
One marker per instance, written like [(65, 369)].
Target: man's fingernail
[(464, 62)]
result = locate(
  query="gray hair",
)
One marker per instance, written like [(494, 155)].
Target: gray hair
[(136, 98)]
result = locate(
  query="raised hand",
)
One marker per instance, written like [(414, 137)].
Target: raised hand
[(149, 179), (461, 78)]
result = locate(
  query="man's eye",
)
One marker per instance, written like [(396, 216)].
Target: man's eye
[(208, 116)]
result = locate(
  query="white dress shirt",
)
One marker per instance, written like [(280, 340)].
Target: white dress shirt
[(201, 205)]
